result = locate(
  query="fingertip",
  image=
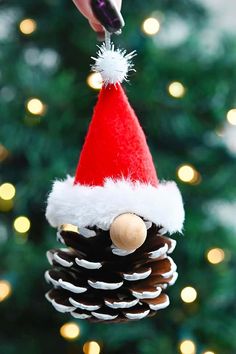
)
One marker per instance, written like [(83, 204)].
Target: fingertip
[(96, 27), (118, 4), (101, 36)]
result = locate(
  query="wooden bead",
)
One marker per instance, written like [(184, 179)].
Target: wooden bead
[(128, 232)]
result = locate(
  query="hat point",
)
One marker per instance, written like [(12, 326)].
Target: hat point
[(115, 146)]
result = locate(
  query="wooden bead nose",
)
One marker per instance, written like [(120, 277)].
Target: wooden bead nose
[(128, 232)]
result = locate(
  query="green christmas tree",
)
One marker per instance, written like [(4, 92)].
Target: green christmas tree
[(184, 94)]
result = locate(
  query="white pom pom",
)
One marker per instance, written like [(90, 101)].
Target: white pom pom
[(113, 65)]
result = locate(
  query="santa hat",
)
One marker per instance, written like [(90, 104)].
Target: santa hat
[(115, 173)]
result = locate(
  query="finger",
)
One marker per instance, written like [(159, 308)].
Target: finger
[(118, 4), (108, 14), (96, 26), (84, 7)]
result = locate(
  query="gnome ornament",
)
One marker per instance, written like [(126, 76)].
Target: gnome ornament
[(114, 217)]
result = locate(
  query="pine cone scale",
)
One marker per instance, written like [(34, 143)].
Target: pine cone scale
[(85, 302), (158, 303), (116, 303)]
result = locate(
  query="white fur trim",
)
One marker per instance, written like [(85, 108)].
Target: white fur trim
[(84, 206)]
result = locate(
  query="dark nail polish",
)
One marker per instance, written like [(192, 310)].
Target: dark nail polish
[(107, 15)]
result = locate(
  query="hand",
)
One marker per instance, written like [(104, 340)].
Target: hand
[(85, 9)]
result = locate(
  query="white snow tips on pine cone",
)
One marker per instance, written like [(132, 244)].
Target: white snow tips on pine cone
[(93, 280), (113, 64)]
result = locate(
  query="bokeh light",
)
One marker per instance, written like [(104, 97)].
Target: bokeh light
[(231, 116), (91, 348), (187, 347), (151, 26), (215, 255), (188, 294), (94, 80), (188, 174), (5, 290), (35, 106), (70, 331), (27, 26), (21, 224), (220, 132), (208, 352), (6, 205), (4, 153), (7, 191), (176, 89)]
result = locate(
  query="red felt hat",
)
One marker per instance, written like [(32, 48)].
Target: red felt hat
[(115, 173), (115, 146)]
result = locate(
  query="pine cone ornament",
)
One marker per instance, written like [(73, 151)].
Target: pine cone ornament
[(94, 280), (115, 265)]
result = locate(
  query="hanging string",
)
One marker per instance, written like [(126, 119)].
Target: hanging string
[(107, 40)]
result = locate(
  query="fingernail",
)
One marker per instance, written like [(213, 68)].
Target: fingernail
[(107, 15)]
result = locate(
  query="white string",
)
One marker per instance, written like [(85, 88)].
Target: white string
[(107, 40)]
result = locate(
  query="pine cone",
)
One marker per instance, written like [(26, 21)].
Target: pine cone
[(94, 280)]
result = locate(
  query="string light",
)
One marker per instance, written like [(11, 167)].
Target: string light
[(94, 80), (91, 348), (27, 26), (151, 26), (5, 290), (35, 106), (187, 347), (188, 174), (3, 153), (231, 116), (188, 294), (7, 191), (21, 224), (215, 255), (70, 331), (176, 89)]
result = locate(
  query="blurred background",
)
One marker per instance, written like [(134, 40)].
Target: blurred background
[(184, 92)]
